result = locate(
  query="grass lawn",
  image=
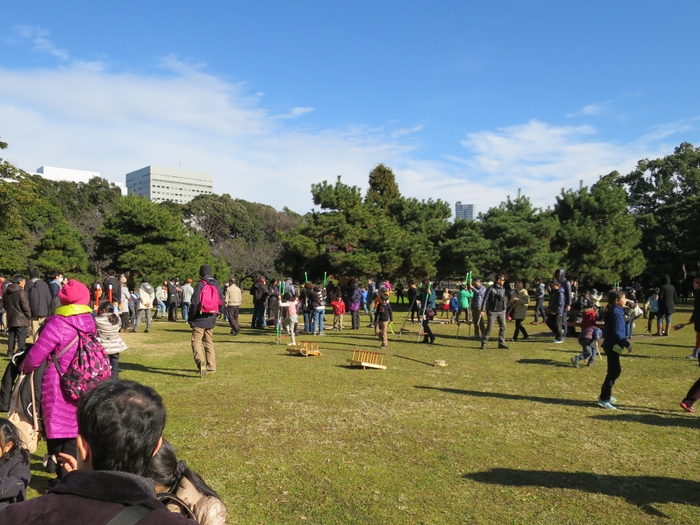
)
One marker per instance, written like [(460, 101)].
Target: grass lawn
[(497, 436)]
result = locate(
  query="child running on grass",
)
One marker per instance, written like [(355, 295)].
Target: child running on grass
[(14, 465), (614, 342), (590, 335), (382, 318)]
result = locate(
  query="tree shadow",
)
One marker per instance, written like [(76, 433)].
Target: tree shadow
[(652, 419), (548, 362), (155, 370), (641, 491)]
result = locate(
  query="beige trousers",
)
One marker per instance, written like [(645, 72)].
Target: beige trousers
[(199, 335), (36, 323)]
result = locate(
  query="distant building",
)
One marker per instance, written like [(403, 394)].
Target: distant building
[(69, 175), (464, 211), (168, 184)]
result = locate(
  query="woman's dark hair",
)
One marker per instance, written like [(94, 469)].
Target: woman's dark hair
[(8, 434), (164, 469), (108, 308)]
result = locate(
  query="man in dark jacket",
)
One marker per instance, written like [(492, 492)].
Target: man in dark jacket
[(120, 428), (667, 306), (113, 281), (479, 291), (203, 324), (39, 296), (173, 298), (259, 292), (494, 306), (557, 310), (18, 314), (565, 285)]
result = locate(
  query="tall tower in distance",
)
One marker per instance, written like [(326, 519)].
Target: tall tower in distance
[(464, 212)]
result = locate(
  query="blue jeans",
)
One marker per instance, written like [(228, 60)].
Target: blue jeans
[(185, 311), (259, 315), (162, 308), (317, 321), (307, 321), (539, 309)]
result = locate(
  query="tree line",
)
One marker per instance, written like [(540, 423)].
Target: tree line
[(643, 224)]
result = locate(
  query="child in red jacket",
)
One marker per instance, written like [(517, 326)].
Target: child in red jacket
[(338, 310)]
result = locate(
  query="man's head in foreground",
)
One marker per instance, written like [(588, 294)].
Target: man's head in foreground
[(120, 427)]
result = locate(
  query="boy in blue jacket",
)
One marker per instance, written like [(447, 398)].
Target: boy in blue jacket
[(614, 342)]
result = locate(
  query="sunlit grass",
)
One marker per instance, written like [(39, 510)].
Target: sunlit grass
[(497, 436)]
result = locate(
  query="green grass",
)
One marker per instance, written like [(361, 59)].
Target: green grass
[(497, 436)]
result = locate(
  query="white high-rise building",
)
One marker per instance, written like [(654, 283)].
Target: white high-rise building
[(70, 175), (161, 184), (464, 211)]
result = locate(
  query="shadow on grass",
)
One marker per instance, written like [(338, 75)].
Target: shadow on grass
[(547, 362), (38, 481), (155, 370), (513, 397), (652, 419), (545, 400), (641, 491)]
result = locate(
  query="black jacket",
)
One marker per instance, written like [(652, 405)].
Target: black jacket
[(17, 306), (14, 478), (91, 498), (667, 298), (116, 289), (196, 318), (495, 299), (259, 292), (39, 297), (384, 312)]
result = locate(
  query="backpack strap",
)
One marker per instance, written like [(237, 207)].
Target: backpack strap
[(55, 357), (166, 497), (130, 515)]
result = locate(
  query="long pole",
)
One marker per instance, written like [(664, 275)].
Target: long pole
[(410, 309), (424, 306)]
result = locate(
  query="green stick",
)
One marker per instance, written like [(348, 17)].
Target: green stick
[(306, 277), (324, 279)]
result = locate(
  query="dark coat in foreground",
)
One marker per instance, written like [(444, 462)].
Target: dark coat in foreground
[(14, 478), (91, 497)]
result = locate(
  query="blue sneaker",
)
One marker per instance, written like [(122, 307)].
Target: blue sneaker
[(606, 404), (613, 400), (558, 341)]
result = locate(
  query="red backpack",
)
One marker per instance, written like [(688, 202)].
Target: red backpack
[(209, 299)]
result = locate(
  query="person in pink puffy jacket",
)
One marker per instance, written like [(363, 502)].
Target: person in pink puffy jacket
[(60, 330)]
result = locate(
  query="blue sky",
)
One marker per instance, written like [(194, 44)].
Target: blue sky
[(464, 100)]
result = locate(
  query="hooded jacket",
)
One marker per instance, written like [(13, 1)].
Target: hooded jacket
[(17, 306), (566, 286), (667, 298), (146, 296), (60, 331), (39, 296)]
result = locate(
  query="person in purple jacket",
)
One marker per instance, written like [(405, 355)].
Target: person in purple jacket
[(60, 331)]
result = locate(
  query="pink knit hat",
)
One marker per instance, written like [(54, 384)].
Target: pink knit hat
[(74, 292)]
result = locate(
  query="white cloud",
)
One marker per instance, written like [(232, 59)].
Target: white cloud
[(86, 117), (39, 37), (591, 109), (296, 112)]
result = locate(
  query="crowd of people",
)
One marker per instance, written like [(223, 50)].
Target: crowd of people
[(84, 447)]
